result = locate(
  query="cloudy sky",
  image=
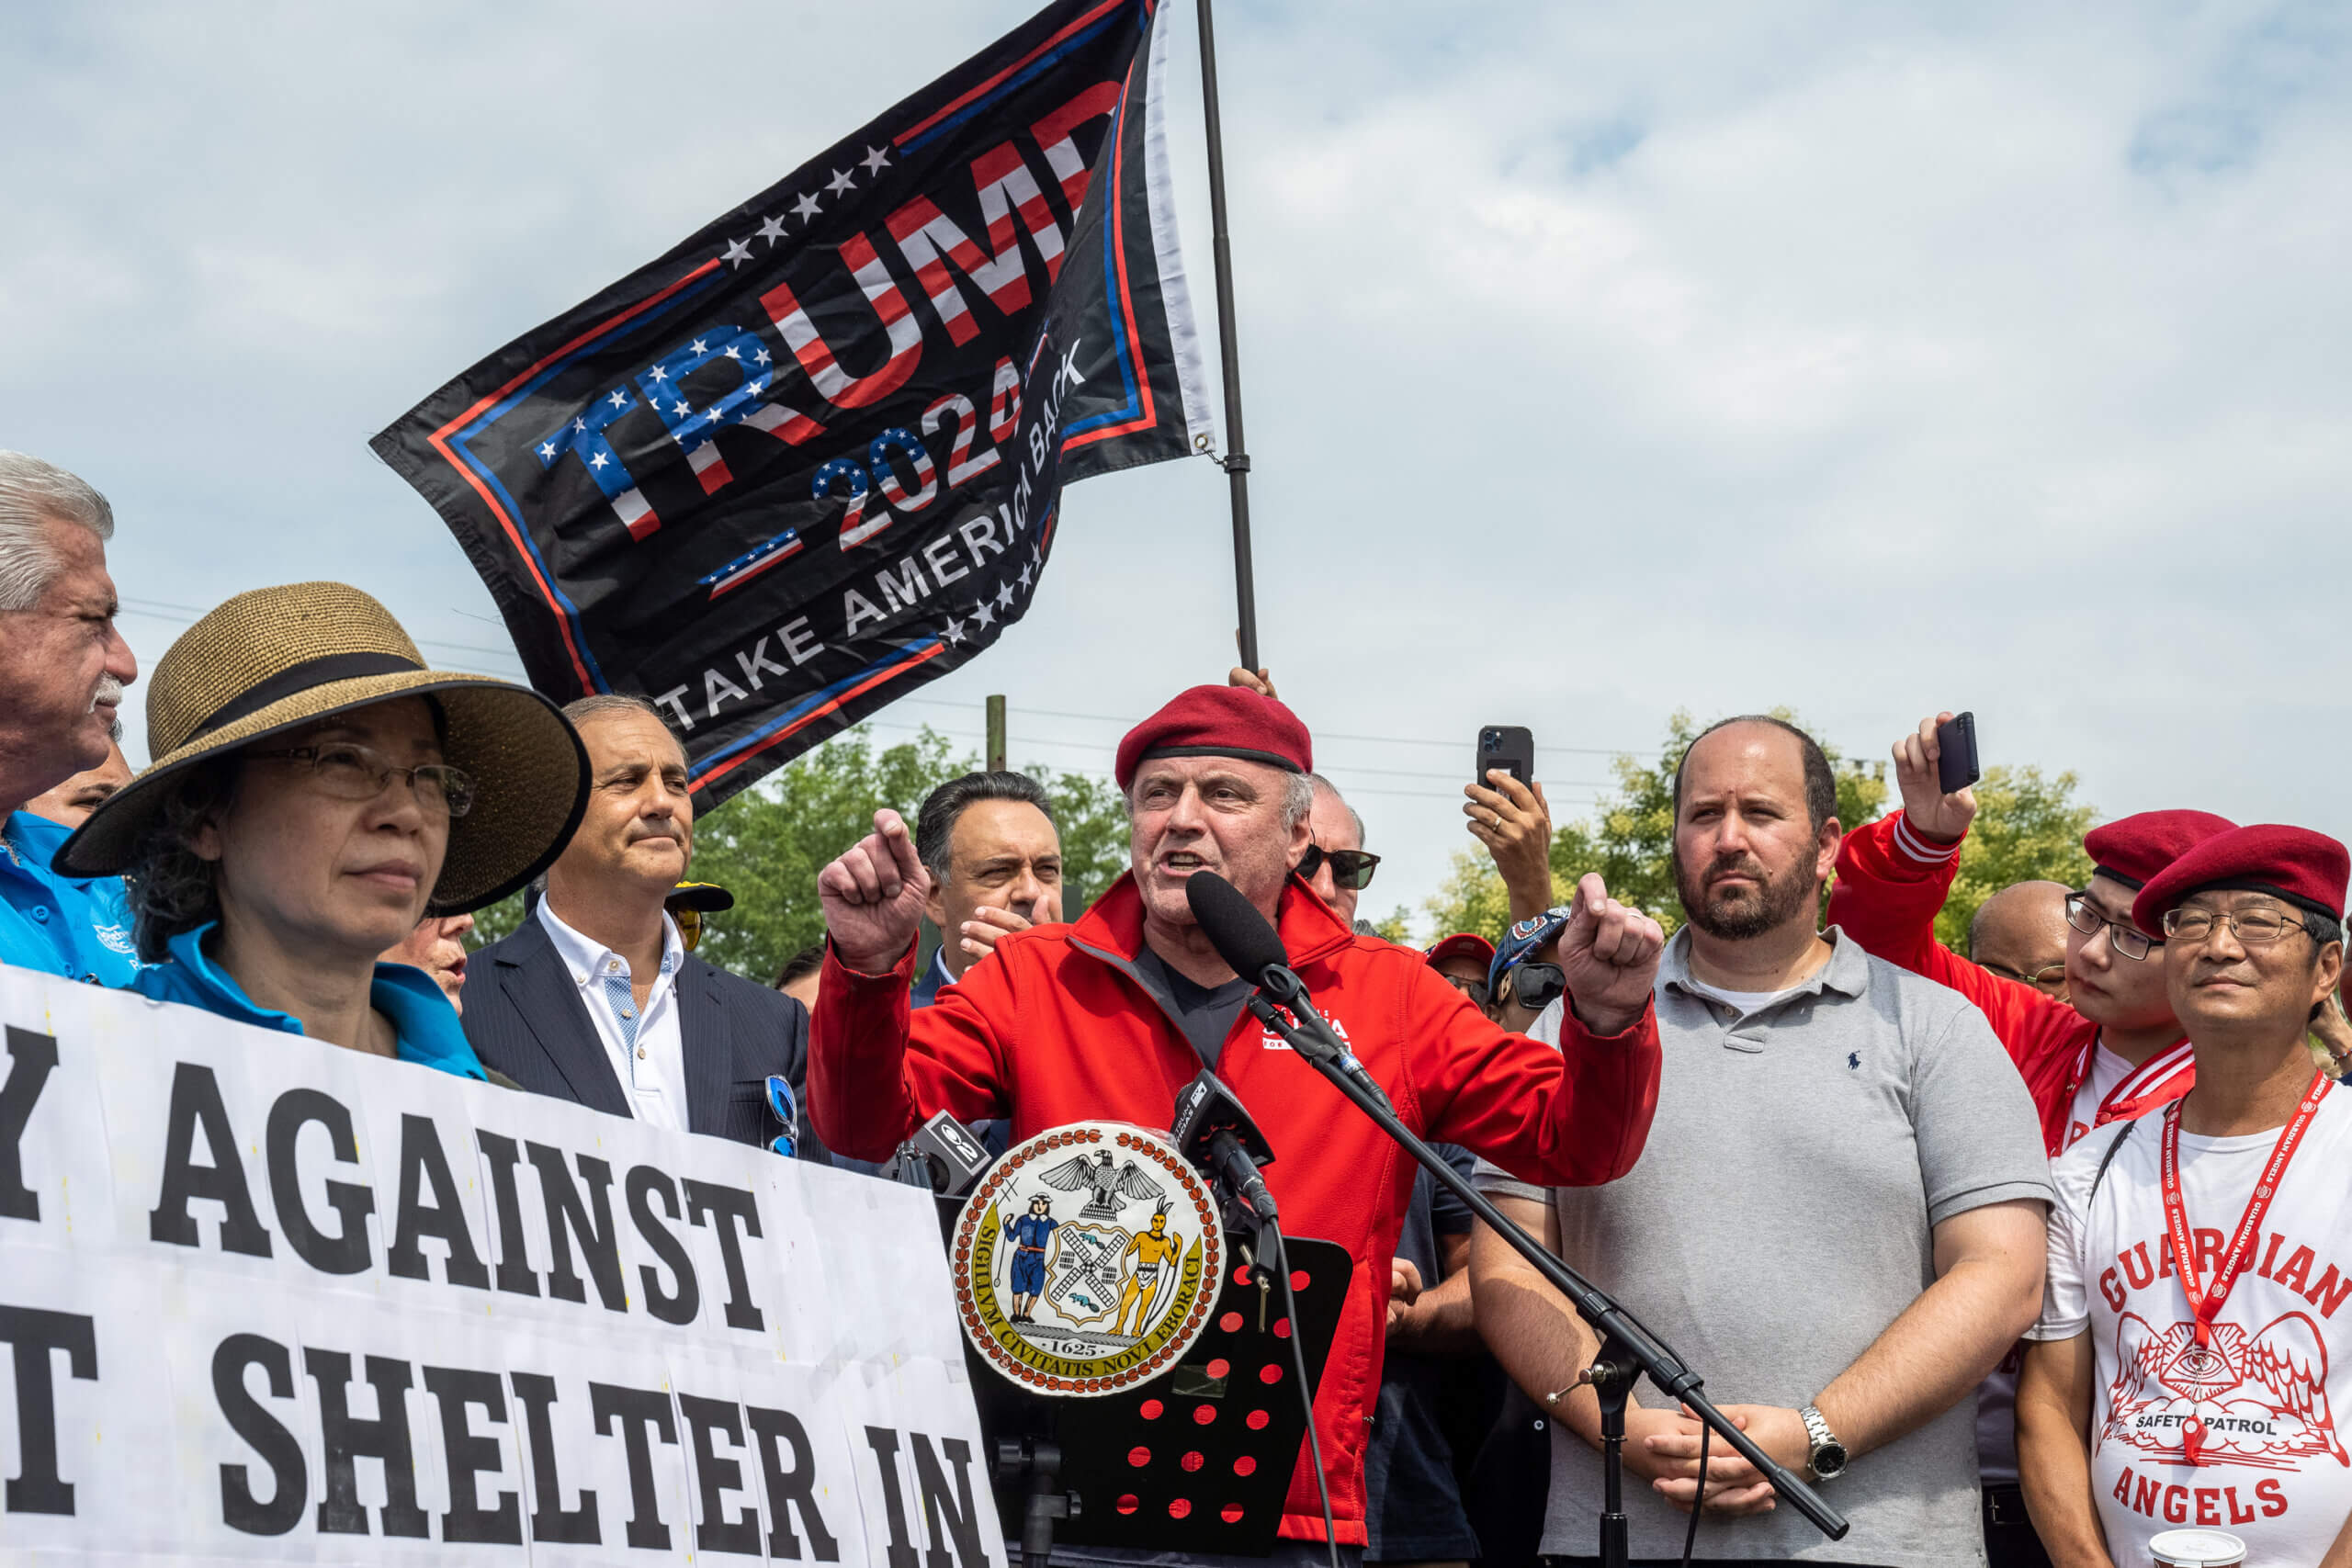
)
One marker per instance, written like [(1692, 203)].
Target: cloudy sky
[(1600, 360)]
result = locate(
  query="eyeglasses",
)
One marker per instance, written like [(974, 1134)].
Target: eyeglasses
[(689, 922), (2048, 977), (1475, 989), (2127, 940), (354, 772), (2253, 928), (1350, 868), (787, 1111), (1537, 985)]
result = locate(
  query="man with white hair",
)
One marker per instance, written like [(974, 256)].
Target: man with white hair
[(63, 669), (1108, 1017)]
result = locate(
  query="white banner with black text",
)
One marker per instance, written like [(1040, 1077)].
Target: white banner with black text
[(265, 1300)]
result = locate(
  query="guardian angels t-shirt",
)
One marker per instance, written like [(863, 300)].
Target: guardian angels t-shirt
[(2275, 1470)]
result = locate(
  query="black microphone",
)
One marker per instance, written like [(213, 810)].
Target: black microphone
[(942, 1155), (1216, 1133), (1247, 943)]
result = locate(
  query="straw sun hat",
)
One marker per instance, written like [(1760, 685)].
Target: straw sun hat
[(277, 659)]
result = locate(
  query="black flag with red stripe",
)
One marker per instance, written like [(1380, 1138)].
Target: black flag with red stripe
[(813, 456)]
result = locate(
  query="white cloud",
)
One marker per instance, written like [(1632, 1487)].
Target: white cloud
[(1600, 360)]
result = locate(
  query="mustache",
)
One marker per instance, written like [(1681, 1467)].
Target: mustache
[(108, 690), (1746, 864)]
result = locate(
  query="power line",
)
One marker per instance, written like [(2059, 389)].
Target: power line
[(187, 614)]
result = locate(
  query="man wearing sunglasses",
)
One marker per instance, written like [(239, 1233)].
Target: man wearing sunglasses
[(1524, 977), (2109, 1052), (1335, 864), (1841, 1200)]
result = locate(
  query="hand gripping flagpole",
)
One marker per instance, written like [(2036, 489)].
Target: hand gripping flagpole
[(1235, 462)]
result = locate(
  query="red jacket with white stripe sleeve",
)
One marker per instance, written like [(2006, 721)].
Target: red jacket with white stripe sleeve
[(1892, 881)]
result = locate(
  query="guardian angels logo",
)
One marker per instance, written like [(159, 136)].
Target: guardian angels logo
[(1087, 1260), (2258, 1399)]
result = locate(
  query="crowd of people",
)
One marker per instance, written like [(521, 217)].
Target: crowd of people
[(2022, 1255)]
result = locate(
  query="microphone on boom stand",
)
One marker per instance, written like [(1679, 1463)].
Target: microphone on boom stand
[(1245, 939)]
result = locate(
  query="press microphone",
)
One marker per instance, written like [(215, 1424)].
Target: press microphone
[(1249, 945), (1214, 1132), (942, 1155)]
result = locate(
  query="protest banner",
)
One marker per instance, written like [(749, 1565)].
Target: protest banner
[(813, 456), (263, 1299)]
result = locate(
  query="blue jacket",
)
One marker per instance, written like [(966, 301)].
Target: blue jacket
[(429, 1033), (60, 925)]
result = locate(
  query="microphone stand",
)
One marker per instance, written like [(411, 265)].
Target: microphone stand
[(1627, 1349)]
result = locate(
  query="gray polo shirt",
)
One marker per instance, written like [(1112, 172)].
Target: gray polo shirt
[(1780, 1218)]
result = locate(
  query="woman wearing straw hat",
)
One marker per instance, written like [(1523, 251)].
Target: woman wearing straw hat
[(316, 791)]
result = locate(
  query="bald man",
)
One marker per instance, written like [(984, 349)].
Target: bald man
[(2019, 933)]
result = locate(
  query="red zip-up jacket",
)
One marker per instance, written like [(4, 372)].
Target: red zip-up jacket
[(1892, 881), (1056, 1029)]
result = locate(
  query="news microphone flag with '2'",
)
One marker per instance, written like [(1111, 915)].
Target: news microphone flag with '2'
[(813, 457)]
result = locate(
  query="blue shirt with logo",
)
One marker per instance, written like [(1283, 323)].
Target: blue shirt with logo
[(430, 1034), (76, 927)]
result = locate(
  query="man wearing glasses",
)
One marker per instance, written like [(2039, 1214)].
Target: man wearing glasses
[(2109, 1051), (1335, 864), (2019, 933), (2113, 1048), (2190, 1354)]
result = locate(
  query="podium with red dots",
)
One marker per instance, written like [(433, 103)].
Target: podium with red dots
[(1199, 1459)]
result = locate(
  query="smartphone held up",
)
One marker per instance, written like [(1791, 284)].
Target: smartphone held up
[(1956, 767), (1505, 746)]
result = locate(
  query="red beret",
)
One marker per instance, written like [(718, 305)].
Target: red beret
[(2131, 850), (1219, 721), (2308, 870), (1463, 944)]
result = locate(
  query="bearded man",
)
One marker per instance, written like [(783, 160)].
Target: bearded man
[(1840, 1207)]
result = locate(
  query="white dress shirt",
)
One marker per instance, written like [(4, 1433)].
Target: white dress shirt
[(653, 1066)]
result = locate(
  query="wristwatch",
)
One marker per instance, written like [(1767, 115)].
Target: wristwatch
[(1828, 1457)]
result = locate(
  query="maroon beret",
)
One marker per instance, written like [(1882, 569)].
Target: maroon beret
[(2131, 850), (2308, 870), (1219, 721)]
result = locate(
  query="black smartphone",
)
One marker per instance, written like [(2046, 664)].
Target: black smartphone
[(1956, 761), (1508, 746)]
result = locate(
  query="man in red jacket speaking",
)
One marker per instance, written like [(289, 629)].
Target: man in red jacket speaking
[(1108, 1019)]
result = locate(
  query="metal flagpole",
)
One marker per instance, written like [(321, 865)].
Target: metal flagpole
[(1237, 456)]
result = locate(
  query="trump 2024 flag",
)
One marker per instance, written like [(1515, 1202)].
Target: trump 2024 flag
[(813, 456)]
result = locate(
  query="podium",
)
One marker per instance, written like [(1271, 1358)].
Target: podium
[(1197, 1460)]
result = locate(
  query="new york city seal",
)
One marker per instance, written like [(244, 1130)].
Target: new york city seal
[(1087, 1260)]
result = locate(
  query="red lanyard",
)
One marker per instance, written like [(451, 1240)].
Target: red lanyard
[(2207, 1304)]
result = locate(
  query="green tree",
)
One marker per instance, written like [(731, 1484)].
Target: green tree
[(2028, 828), (767, 844), (1630, 839)]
